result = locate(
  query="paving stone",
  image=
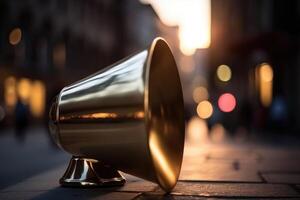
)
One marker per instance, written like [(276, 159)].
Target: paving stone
[(44, 181), (273, 153), (33, 185), (276, 165), (218, 171), (168, 197), (117, 196), (189, 197), (138, 186), (22, 195), (245, 153), (29, 186), (49, 181), (273, 159), (234, 190), (198, 151), (229, 170), (58, 194), (288, 178), (232, 153), (53, 174), (268, 160)]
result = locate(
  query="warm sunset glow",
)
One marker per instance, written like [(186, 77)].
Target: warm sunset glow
[(187, 64), (227, 102), (168, 15), (193, 18), (200, 94), (15, 36), (264, 73), (204, 109), (224, 73)]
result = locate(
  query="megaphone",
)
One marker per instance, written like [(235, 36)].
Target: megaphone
[(128, 117)]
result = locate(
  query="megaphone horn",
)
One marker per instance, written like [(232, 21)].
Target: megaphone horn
[(128, 117)]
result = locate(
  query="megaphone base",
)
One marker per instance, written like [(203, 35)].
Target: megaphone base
[(85, 172)]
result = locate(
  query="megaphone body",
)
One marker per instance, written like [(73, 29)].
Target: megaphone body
[(127, 117)]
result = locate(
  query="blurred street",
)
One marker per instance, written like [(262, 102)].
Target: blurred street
[(260, 168), (27, 155), (239, 66)]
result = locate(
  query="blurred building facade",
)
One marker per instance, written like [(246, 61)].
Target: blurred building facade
[(46, 45)]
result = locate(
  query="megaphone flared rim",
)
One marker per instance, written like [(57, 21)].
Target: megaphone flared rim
[(166, 131)]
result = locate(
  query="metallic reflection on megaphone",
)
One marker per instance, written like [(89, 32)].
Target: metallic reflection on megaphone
[(128, 117)]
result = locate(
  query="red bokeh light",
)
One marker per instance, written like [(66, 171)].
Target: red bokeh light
[(226, 102)]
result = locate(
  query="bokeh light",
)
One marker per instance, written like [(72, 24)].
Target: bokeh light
[(264, 73), (224, 73), (226, 102), (10, 93), (204, 109), (197, 131), (218, 133), (200, 94), (24, 89), (279, 109), (37, 98), (15, 36)]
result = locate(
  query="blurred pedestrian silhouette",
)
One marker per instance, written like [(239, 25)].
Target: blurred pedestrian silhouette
[(21, 119)]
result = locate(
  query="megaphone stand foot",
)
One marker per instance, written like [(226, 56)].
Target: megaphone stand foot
[(85, 172)]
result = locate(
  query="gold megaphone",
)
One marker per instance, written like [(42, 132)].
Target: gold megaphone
[(128, 116)]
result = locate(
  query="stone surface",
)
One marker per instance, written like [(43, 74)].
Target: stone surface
[(41, 182), (49, 181), (189, 197), (169, 197), (234, 190), (58, 194), (234, 153), (210, 171), (277, 177), (219, 171), (24, 157), (139, 186)]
